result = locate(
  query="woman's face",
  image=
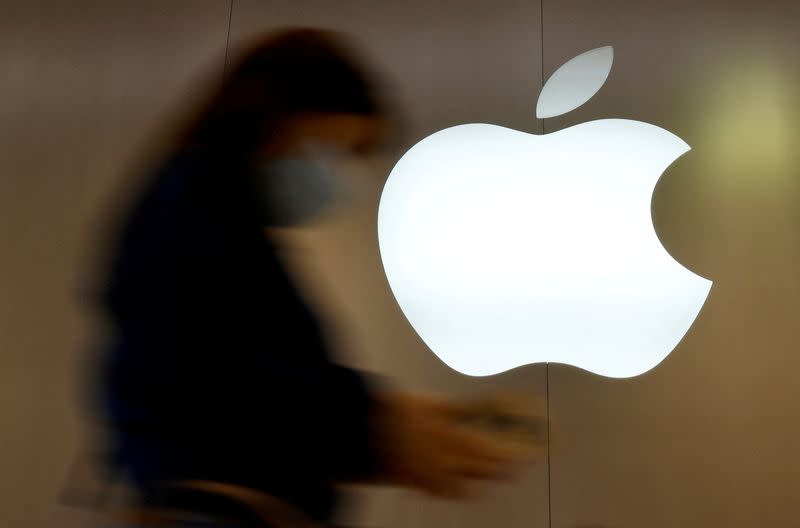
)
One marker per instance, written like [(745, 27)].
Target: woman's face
[(315, 154)]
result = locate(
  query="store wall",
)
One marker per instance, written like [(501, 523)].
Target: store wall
[(707, 438)]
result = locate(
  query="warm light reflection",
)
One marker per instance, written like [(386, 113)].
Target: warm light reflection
[(749, 128)]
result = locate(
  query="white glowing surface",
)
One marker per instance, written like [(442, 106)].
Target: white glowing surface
[(504, 248)]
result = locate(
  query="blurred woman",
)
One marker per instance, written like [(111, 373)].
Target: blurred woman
[(217, 371)]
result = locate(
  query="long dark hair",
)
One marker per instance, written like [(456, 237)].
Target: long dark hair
[(288, 73), (277, 76), (291, 72)]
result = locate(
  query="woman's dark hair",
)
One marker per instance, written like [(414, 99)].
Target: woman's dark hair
[(285, 74), (278, 76), (292, 72)]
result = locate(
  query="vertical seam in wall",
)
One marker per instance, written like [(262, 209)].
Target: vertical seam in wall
[(227, 40), (541, 49), (547, 365), (549, 487)]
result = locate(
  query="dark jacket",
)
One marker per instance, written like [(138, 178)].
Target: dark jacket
[(216, 368)]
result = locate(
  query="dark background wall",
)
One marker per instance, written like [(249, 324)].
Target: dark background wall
[(706, 439)]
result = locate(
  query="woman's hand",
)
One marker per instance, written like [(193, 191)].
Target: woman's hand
[(424, 446)]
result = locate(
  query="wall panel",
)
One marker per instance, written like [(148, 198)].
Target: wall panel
[(706, 438)]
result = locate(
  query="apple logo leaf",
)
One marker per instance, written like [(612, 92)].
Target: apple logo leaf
[(575, 82)]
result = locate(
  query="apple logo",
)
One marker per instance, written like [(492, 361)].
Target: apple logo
[(505, 248)]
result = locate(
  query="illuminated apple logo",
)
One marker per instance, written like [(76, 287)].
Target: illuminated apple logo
[(504, 248)]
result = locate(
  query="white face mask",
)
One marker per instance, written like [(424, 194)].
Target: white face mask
[(296, 190)]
